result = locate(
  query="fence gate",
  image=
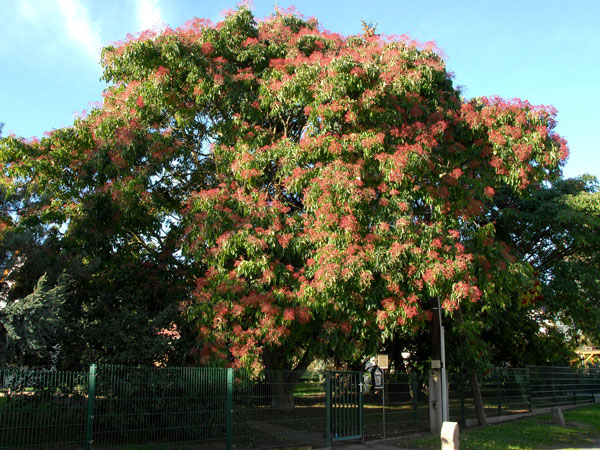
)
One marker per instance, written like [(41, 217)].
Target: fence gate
[(344, 402)]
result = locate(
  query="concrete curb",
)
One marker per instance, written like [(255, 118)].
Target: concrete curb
[(469, 423)]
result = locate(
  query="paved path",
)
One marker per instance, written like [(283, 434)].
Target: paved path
[(372, 445), (383, 445), (594, 446)]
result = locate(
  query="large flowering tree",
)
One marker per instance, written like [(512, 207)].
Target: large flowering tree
[(322, 191), (348, 173)]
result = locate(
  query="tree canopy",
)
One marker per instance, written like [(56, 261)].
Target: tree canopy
[(556, 230), (298, 193)]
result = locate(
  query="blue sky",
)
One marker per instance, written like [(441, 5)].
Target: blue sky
[(547, 52)]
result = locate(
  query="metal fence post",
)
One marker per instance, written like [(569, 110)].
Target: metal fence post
[(361, 424), (553, 387), (461, 388), (89, 423), (575, 384), (383, 401), (229, 409), (415, 399), (328, 408)]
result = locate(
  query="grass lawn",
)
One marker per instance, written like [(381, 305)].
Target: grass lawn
[(582, 430)]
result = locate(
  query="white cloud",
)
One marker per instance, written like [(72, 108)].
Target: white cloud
[(28, 12), (149, 14), (25, 36), (80, 28), (56, 31), (31, 17)]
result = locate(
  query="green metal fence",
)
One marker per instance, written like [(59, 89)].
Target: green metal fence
[(279, 410), (401, 407), (42, 409), (154, 408), (167, 407), (508, 391), (344, 406), (207, 408), (555, 386)]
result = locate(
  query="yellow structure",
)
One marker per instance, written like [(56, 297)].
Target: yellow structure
[(588, 356)]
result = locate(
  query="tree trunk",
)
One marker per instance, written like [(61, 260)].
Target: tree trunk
[(282, 390), (477, 400), (281, 379), (473, 381)]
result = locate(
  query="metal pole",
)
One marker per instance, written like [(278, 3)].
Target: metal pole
[(415, 399), (383, 400), (461, 387), (229, 409), (529, 397), (361, 424), (90, 407), (443, 370), (328, 409)]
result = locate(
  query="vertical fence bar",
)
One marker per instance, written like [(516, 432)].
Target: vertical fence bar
[(498, 374), (575, 385), (340, 406), (229, 408), (383, 399), (89, 423), (461, 390), (328, 408), (360, 409), (528, 389), (553, 376), (348, 405), (415, 399), (343, 403)]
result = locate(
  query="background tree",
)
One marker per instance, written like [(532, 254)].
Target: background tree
[(31, 327), (76, 204), (552, 233), (556, 230)]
